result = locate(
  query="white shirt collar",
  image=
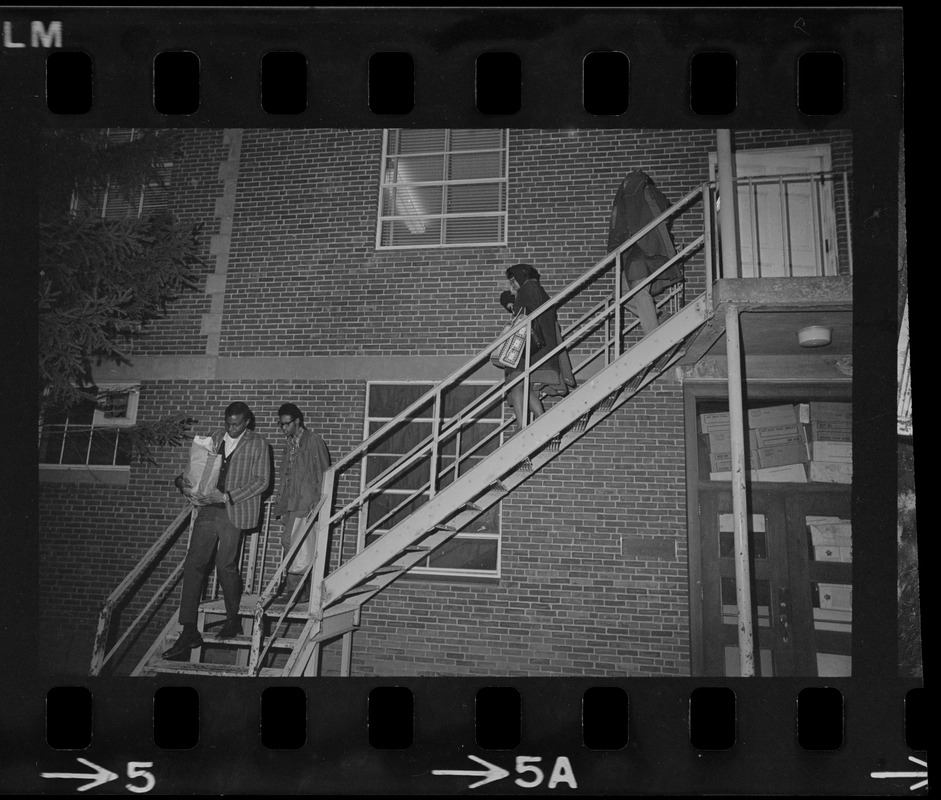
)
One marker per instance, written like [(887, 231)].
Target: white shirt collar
[(230, 442)]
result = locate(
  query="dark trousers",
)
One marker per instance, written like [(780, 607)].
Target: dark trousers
[(212, 526)]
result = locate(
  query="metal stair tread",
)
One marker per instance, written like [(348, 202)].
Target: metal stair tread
[(162, 666), (245, 640), (247, 604)]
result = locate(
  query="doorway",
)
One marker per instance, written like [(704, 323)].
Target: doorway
[(801, 581), (786, 216)]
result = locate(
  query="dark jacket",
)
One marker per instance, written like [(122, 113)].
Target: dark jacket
[(637, 203), (530, 296), (300, 490)]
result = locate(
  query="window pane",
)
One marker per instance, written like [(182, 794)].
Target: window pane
[(50, 445), (397, 503), (757, 544), (415, 169), (387, 400), (103, 447), (488, 522), (125, 451), (400, 234), (414, 203), (469, 198), (403, 438), (417, 141), (76, 447), (476, 139), (470, 230), (467, 166), (460, 397), (460, 553), (415, 477)]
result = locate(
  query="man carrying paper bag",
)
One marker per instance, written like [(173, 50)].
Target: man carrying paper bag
[(238, 460), (202, 475)]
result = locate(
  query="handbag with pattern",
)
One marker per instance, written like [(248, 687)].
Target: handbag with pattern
[(508, 353)]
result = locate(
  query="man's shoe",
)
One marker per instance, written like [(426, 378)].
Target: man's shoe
[(183, 645), (232, 627)]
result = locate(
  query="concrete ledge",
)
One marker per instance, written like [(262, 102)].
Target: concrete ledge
[(777, 368), (80, 473), (317, 368), (835, 291)]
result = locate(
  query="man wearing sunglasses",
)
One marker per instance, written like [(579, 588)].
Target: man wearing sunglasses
[(303, 464)]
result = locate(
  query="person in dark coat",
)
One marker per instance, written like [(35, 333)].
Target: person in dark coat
[(554, 376), (303, 464), (637, 203)]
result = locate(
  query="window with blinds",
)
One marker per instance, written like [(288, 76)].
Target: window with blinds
[(152, 197), (443, 187)]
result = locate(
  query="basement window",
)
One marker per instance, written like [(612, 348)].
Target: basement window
[(443, 188), (475, 551), (90, 433)]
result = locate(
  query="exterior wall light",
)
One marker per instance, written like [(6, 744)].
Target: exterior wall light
[(814, 336)]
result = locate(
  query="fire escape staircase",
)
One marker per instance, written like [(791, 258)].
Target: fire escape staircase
[(338, 595)]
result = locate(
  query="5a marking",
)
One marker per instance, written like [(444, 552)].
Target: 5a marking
[(101, 775), (525, 765)]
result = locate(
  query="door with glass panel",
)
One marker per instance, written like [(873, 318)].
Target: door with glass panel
[(774, 641), (801, 583)]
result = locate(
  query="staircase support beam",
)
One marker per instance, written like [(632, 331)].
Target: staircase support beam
[(728, 227), (746, 644)]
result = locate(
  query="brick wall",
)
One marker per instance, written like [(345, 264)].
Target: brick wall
[(303, 279), (571, 600)]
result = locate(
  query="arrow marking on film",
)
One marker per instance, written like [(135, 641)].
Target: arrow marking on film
[(96, 778), (491, 773), (917, 774)]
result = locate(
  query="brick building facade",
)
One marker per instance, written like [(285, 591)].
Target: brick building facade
[(300, 305)]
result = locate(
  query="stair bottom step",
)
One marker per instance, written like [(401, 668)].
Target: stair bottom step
[(165, 667)]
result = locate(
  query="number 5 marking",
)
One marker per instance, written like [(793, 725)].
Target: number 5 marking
[(136, 769), (525, 764)]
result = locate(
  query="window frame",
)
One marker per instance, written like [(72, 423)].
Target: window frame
[(465, 574), (98, 421), (120, 135), (504, 179)]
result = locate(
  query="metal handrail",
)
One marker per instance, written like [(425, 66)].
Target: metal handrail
[(257, 654), (490, 396), (99, 657), (602, 265), (838, 180), (484, 354)]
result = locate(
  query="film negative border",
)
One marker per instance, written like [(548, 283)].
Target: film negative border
[(877, 751)]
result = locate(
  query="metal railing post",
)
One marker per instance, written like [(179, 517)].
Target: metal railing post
[(708, 209), (849, 224), (746, 645), (618, 307)]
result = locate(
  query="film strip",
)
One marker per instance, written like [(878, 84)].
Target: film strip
[(790, 76)]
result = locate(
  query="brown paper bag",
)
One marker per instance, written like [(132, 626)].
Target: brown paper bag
[(203, 470)]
